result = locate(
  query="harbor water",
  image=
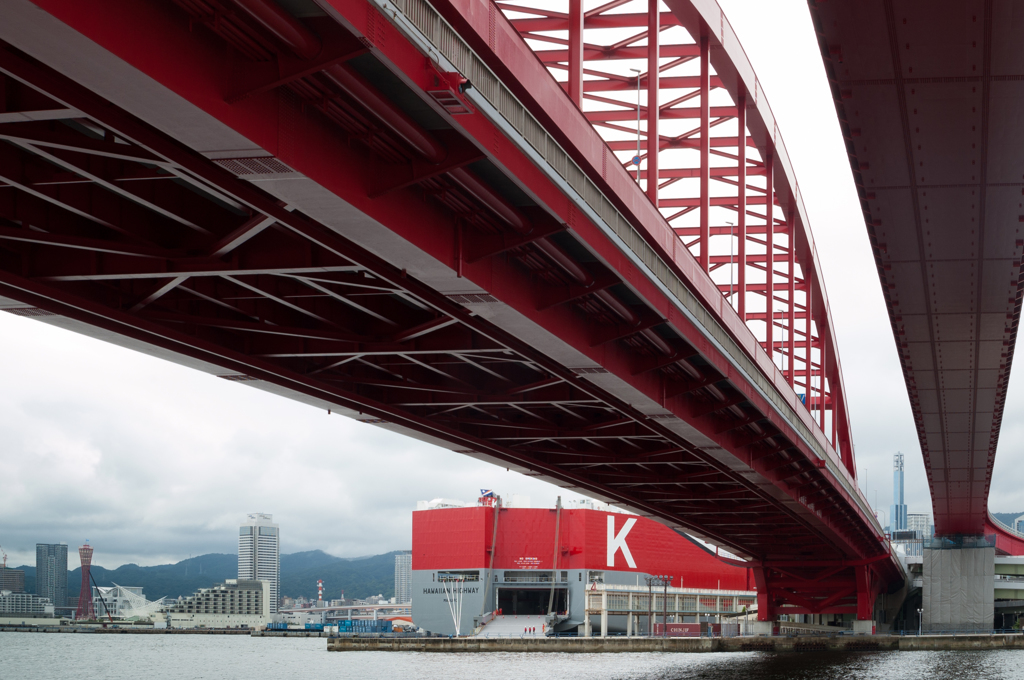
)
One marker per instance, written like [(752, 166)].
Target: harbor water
[(33, 656)]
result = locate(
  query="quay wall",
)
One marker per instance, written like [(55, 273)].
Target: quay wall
[(804, 643), (90, 630)]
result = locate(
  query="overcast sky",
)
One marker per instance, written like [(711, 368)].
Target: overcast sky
[(153, 462)]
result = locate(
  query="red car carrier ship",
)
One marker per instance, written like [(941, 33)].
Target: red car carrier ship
[(555, 569)]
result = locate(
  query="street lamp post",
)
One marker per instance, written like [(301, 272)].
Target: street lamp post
[(665, 580), (636, 159), (731, 235), (650, 605)]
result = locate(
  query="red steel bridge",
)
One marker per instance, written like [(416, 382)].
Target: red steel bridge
[(928, 96), (567, 241)]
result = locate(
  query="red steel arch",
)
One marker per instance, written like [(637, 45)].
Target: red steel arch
[(710, 182)]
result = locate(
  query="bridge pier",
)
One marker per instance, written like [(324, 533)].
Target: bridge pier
[(959, 572), (864, 627)]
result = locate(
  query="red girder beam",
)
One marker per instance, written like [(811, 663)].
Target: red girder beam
[(704, 200), (679, 142), (808, 345), (668, 83), (769, 159), (741, 207), (594, 21), (672, 113), (597, 52), (653, 89), (575, 55)]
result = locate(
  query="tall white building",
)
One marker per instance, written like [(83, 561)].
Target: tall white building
[(921, 523), (403, 577), (259, 554)]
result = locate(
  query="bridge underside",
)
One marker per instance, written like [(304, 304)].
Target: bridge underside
[(235, 209), (928, 101)]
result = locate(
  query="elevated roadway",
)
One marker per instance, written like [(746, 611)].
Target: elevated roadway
[(395, 213), (928, 97)]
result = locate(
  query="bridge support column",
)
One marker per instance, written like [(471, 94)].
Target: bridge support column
[(765, 606), (868, 588), (959, 585), (864, 627)]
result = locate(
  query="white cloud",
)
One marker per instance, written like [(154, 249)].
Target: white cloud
[(152, 461)]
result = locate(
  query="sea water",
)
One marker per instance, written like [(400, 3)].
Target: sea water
[(40, 656)]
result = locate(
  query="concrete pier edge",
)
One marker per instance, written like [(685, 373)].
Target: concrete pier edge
[(838, 643)]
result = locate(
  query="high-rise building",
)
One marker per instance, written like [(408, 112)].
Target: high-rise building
[(259, 553), (922, 524), (403, 577), (52, 572), (12, 580), (898, 509)]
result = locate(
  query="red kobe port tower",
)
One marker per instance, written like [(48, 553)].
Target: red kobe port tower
[(85, 609)]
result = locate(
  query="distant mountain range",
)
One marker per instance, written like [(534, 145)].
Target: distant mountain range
[(359, 577)]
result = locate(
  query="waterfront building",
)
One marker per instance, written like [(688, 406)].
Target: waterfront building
[(123, 602), (898, 509), (232, 604), (24, 604), (259, 554), (403, 577), (52, 572), (12, 580)]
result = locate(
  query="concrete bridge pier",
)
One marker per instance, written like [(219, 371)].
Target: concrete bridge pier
[(864, 627), (958, 575)]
